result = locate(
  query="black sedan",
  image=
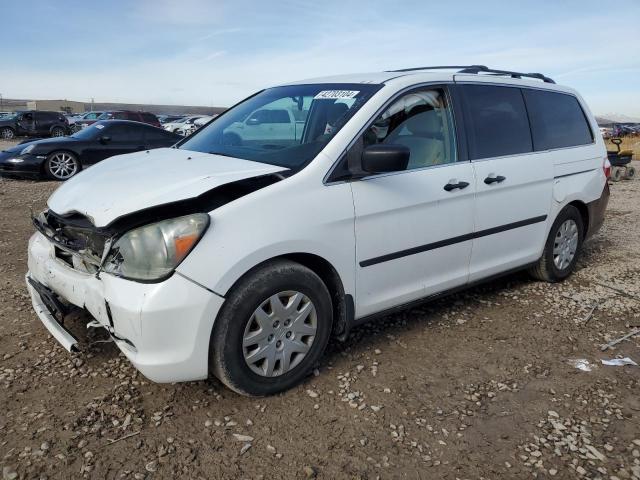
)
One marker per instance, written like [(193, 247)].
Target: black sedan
[(61, 158)]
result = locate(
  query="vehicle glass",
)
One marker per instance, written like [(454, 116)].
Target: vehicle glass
[(421, 121), (106, 116), (11, 116), (242, 132), (496, 121), (557, 120), (125, 133), (148, 117), (91, 132), (156, 135), (92, 116)]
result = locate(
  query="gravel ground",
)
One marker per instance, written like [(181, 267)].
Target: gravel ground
[(482, 384)]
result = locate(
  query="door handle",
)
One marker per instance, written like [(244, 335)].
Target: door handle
[(494, 179), (452, 186)]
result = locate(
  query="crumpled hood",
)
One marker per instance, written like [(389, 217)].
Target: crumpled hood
[(128, 183)]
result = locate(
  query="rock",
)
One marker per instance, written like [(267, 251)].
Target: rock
[(552, 471), (208, 423), (271, 449), (245, 448), (9, 473), (45, 446), (312, 394), (152, 466), (309, 472), (242, 438)]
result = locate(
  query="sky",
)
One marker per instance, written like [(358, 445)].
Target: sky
[(215, 53)]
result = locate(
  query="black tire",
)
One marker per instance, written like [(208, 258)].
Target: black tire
[(630, 173), (58, 132), (7, 133), (546, 269), (55, 174), (617, 174), (226, 352)]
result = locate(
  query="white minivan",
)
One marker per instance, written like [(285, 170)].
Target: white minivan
[(241, 259)]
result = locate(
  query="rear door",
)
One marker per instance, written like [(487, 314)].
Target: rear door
[(44, 122), (513, 183), (413, 228)]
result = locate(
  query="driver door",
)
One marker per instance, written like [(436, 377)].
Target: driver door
[(27, 124), (413, 227)]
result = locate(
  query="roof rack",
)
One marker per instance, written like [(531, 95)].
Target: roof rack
[(479, 69)]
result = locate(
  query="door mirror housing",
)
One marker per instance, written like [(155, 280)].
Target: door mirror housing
[(105, 139), (253, 121), (384, 158)]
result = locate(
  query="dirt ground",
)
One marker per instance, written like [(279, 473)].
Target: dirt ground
[(482, 384)]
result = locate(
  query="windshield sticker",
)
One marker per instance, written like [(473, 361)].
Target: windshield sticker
[(336, 94), (100, 127)]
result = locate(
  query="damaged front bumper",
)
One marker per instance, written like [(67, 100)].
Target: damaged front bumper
[(163, 328)]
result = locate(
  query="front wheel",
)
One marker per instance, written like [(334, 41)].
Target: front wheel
[(61, 165), (272, 329), (562, 248)]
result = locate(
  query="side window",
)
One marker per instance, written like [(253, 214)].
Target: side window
[(125, 133), (279, 116), (496, 121), (557, 120), (421, 121), (157, 135)]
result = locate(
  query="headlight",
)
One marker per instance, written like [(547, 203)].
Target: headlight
[(27, 149), (153, 251)]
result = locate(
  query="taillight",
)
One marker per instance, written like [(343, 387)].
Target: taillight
[(606, 167)]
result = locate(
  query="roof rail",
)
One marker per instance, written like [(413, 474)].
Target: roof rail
[(480, 69)]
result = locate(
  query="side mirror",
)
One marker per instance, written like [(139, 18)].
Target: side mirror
[(383, 158), (105, 139), (253, 121)]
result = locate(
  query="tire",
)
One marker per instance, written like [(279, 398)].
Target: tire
[(57, 132), (631, 173), (250, 322), (61, 165), (617, 174), (7, 133), (557, 263)]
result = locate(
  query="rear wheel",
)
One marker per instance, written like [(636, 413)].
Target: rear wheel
[(61, 165), (631, 173), (272, 329), (57, 132), (562, 248), (7, 133)]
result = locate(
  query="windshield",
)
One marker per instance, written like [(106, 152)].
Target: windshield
[(284, 126), (90, 132)]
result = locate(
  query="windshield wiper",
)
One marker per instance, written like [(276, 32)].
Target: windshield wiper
[(221, 154)]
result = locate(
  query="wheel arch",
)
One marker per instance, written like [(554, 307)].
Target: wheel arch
[(342, 303), (584, 214)]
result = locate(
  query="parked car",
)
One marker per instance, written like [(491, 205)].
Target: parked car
[(169, 118), (181, 123), (241, 259), (85, 119), (62, 158), (33, 123), (144, 117), (5, 114), (189, 128)]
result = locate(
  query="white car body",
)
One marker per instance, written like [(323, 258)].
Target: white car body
[(183, 122), (192, 127), (353, 226)]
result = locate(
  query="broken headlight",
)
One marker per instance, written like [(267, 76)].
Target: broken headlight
[(153, 251)]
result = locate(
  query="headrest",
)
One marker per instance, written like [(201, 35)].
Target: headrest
[(335, 111), (424, 122)]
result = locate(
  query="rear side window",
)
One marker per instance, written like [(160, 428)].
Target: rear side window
[(557, 120), (496, 121)]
